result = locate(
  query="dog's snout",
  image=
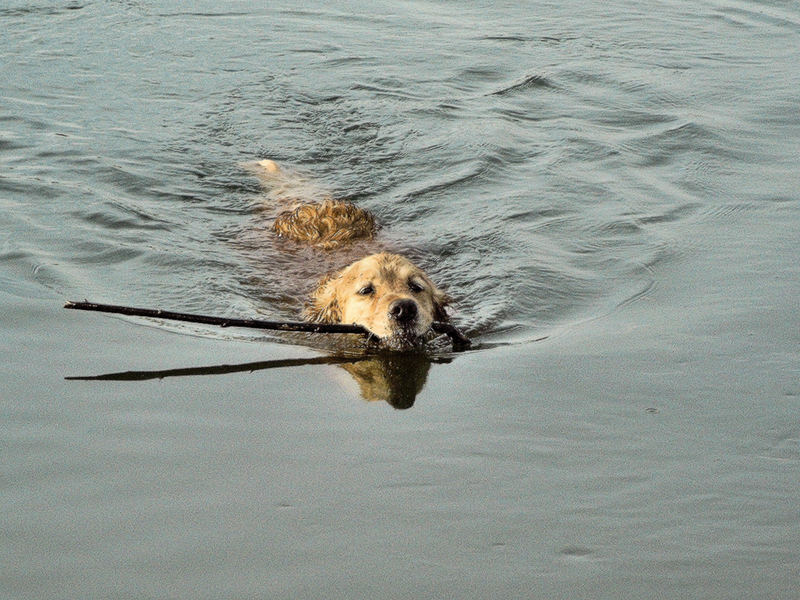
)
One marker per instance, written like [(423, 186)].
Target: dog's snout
[(403, 311)]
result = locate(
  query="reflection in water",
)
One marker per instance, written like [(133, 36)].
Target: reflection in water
[(394, 377)]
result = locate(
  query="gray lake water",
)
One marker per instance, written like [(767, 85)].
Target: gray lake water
[(610, 192)]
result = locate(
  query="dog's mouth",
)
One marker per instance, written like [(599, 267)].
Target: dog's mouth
[(404, 338)]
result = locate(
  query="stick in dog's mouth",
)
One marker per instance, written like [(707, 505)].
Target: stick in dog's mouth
[(460, 342)]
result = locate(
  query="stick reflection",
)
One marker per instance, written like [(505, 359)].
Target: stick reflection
[(396, 378)]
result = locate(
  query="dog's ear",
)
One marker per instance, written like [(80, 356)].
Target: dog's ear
[(324, 305), (440, 301)]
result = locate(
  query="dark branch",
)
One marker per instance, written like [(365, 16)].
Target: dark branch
[(459, 341)]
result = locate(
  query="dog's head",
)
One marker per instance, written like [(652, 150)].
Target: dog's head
[(384, 293)]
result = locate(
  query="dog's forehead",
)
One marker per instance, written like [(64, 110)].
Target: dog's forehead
[(388, 268)]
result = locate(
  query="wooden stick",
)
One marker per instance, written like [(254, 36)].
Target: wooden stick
[(460, 342)]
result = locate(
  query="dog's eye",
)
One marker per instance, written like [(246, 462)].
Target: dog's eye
[(415, 287), (367, 290)]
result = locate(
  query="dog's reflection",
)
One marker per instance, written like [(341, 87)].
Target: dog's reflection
[(396, 378)]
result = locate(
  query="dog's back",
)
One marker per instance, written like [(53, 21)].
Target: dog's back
[(311, 217)]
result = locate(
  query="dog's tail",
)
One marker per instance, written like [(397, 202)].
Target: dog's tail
[(264, 168), (270, 166), (284, 186)]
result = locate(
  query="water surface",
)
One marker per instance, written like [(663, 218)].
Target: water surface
[(609, 193)]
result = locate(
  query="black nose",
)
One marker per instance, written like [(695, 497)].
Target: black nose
[(403, 311)]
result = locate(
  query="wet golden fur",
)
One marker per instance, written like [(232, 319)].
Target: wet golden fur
[(369, 292), (327, 224), (385, 293)]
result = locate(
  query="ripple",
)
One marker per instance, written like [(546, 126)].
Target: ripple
[(532, 82), (97, 253), (138, 220), (24, 11), (676, 141), (451, 181), (575, 551)]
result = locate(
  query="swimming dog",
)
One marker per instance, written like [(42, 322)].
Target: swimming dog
[(385, 293)]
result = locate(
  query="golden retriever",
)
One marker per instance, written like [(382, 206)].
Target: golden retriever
[(384, 293)]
